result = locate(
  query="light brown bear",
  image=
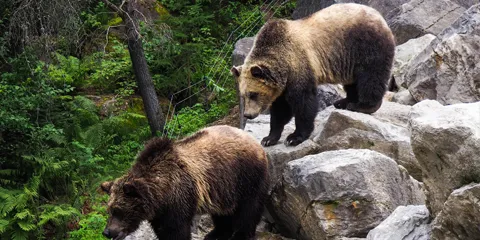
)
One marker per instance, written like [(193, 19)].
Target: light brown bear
[(219, 170), (348, 44)]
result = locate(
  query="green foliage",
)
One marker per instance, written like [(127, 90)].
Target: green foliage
[(92, 223), (91, 227)]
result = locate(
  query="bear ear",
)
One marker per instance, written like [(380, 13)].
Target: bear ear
[(261, 72), (106, 186), (130, 189), (236, 71), (134, 188)]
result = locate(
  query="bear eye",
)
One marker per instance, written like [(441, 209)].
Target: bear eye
[(116, 212), (253, 95)]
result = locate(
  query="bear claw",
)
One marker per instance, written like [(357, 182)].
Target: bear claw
[(341, 104), (269, 141), (293, 140)]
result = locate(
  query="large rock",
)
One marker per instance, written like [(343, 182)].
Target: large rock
[(404, 97), (446, 143), (460, 217), (242, 48), (419, 17), (384, 131), (342, 193), (405, 53), (327, 94), (466, 3), (307, 7), (449, 69), (279, 155), (405, 223)]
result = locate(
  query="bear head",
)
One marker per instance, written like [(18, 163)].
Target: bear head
[(258, 86), (130, 203)]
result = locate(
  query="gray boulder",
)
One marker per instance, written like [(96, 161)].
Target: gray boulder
[(448, 70), (242, 48), (342, 193), (407, 52), (327, 94), (307, 7), (405, 223), (446, 143), (466, 3), (279, 155), (404, 97), (419, 17), (144, 231), (384, 131), (460, 216)]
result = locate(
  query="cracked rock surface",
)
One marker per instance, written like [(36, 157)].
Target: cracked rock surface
[(342, 193), (460, 215), (405, 223), (384, 131), (446, 143), (419, 17), (449, 69)]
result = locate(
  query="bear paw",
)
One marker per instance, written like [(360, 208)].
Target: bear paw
[(294, 140), (341, 104), (364, 108), (269, 141)]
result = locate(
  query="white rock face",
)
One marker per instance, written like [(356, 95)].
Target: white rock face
[(407, 52), (449, 69), (242, 48), (384, 131), (404, 97), (446, 143), (342, 193), (405, 223)]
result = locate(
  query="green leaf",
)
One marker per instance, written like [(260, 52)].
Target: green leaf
[(3, 225), (26, 226)]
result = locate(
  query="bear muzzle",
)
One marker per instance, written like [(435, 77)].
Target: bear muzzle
[(115, 235)]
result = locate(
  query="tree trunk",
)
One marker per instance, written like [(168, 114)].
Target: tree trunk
[(130, 17)]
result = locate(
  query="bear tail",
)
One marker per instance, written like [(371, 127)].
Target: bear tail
[(153, 148)]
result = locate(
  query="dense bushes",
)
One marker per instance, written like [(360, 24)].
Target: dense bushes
[(56, 147)]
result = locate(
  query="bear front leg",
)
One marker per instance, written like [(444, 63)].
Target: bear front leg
[(181, 232), (280, 114), (175, 224), (305, 113), (223, 228)]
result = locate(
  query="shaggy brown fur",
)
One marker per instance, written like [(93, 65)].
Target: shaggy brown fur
[(220, 170), (347, 44)]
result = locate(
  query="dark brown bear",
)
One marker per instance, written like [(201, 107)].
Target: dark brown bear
[(348, 44), (219, 170)]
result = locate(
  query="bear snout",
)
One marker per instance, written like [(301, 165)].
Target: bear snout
[(250, 116), (106, 233)]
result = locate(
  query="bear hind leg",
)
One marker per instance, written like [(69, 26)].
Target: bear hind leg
[(223, 228), (246, 219), (352, 97), (371, 87)]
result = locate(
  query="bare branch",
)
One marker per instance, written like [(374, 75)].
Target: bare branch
[(106, 37), (114, 7)]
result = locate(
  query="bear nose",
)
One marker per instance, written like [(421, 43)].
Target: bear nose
[(249, 116), (106, 233)]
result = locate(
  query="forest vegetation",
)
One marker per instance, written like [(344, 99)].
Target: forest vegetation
[(71, 115)]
